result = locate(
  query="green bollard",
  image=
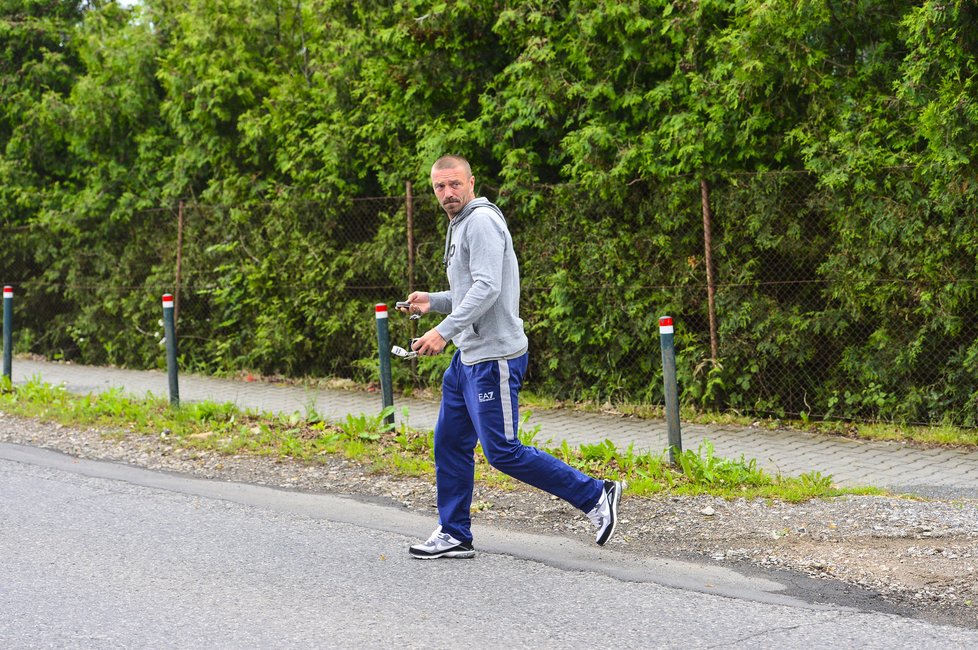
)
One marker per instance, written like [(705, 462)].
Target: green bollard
[(671, 387), (384, 346), (169, 330), (8, 331)]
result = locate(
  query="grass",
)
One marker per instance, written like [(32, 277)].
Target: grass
[(931, 436), (224, 428)]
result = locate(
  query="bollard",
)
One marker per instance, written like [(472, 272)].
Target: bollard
[(8, 331), (384, 346), (671, 388), (169, 330)]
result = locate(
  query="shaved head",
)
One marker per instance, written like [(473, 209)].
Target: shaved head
[(451, 162)]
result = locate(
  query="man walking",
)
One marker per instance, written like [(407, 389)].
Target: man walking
[(480, 388)]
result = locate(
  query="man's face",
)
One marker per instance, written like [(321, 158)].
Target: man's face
[(453, 188)]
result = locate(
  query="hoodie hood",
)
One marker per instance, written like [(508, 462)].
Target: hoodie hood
[(470, 207)]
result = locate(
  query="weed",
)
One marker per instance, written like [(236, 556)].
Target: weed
[(704, 468), (565, 453), (366, 427), (603, 452), (528, 437)]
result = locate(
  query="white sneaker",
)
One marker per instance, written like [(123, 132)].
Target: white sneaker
[(605, 514), (442, 545)]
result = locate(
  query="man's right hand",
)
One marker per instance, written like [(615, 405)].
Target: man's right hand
[(419, 303), (429, 343)]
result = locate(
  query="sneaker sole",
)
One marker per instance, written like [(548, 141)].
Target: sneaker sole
[(464, 554), (615, 498)]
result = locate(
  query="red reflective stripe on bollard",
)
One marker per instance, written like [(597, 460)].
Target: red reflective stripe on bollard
[(8, 292), (665, 325), (167, 301), (381, 310)]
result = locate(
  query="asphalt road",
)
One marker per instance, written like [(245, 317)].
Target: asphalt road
[(100, 555)]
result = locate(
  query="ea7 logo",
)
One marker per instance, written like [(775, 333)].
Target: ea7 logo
[(487, 397)]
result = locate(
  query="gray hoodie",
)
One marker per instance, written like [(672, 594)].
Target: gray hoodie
[(483, 302)]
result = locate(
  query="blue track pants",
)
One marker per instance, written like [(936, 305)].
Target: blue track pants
[(480, 404)]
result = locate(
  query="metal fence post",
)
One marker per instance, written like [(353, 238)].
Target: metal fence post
[(169, 330), (384, 348), (671, 388), (8, 331)]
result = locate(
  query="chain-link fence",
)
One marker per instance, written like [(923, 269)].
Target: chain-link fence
[(791, 297)]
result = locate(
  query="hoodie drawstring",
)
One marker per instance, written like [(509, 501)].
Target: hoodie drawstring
[(448, 243)]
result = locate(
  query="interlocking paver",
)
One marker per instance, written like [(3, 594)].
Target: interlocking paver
[(850, 462)]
